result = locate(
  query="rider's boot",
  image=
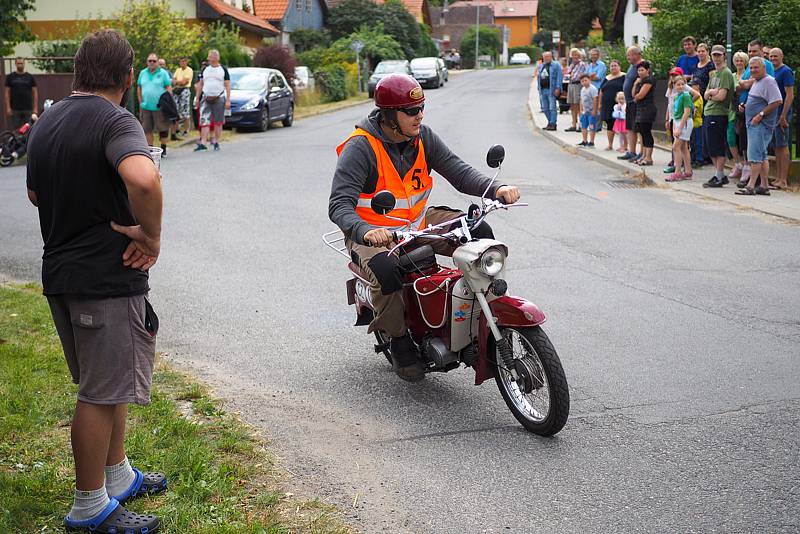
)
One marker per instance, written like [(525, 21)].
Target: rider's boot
[(405, 360)]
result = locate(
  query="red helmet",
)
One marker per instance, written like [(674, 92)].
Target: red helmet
[(398, 91)]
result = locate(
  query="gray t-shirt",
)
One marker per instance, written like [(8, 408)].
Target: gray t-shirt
[(627, 87), (763, 93), (588, 94)]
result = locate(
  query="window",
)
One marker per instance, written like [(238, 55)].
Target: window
[(298, 5), (308, 6), (635, 6), (279, 82), (636, 39)]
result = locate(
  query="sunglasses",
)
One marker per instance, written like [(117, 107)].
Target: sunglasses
[(152, 61), (413, 112)]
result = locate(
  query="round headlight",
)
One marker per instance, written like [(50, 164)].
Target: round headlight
[(491, 262)]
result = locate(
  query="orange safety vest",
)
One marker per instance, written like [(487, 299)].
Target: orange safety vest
[(411, 191)]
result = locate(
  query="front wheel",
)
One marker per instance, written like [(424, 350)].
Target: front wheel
[(289, 119), (539, 398)]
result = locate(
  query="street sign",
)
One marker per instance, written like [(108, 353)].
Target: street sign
[(556, 36), (357, 46)]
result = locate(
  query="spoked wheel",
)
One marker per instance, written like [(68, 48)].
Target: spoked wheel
[(383, 340), (539, 398)]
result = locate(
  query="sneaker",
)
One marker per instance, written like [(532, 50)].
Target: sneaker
[(582, 143), (200, 147), (669, 169), (627, 155), (405, 359), (571, 129), (590, 144), (216, 146), (737, 172), (713, 182), (725, 180), (674, 177)]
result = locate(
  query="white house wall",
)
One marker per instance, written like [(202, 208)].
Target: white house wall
[(637, 27)]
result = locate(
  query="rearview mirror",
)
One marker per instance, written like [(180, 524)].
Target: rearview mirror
[(495, 156), (383, 202)]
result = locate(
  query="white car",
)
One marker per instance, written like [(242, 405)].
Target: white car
[(520, 58)]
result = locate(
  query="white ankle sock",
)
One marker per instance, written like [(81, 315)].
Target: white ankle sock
[(119, 477), (88, 504)]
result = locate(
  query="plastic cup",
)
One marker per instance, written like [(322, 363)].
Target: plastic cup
[(155, 153)]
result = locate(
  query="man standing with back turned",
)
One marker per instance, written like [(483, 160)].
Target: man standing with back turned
[(99, 199)]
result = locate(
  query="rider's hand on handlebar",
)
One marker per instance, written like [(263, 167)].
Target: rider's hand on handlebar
[(508, 194), (379, 237)]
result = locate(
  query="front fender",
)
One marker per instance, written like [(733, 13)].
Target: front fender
[(509, 311)]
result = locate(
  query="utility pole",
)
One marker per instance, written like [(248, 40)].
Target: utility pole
[(729, 43), (477, 32)]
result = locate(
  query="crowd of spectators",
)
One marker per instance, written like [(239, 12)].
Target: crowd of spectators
[(713, 114)]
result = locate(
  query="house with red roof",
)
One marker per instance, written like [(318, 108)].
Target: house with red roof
[(419, 9), (633, 16), (521, 17), (291, 15)]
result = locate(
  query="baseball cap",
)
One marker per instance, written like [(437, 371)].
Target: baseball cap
[(676, 71), (717, 49)]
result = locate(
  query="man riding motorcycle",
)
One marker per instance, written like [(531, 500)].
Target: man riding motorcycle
[(392, 150)]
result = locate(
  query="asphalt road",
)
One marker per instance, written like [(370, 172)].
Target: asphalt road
[(677, 322)]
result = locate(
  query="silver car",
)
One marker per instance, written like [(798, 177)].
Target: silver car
[(385, 68)]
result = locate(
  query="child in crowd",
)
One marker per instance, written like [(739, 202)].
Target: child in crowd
[(697, 130), (683, 124), (674, 74), (619, 122), (588, 111)]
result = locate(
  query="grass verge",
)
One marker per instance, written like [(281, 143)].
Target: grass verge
[(222, 478), (312, 106)]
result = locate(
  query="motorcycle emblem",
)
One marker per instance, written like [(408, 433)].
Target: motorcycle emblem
[(415, 93)]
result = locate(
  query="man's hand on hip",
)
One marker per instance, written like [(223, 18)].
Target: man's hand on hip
[(379, 237), (142, 252), (508, 194)]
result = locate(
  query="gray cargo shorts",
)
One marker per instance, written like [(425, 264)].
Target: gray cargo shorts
[(109, 351)]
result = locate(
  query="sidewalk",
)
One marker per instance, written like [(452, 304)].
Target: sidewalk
[(779, 203)]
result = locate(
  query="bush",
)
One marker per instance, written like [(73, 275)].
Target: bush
[(305, 39), (317, 58), (332, 80), (377, 45), (490, 44), (534, 52), (226, 39), (57, 48), (276, 57)]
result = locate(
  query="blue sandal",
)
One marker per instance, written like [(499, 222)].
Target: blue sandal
[(148, 483), (115, 519)]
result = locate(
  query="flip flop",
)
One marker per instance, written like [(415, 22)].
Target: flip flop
[(746, 191), (148, 483), (762, 191), (115, 519)]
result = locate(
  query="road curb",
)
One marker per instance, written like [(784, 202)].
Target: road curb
[(642, 174)]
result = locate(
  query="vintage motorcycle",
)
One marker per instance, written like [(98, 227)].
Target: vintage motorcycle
[(464, 315)]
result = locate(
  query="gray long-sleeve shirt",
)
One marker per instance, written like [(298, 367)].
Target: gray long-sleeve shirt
[(357, 172)]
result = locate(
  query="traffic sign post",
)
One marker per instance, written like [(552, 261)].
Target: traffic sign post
[(358, 46)]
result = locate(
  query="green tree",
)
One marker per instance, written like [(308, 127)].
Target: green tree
[(402, 26), (305, 39), (12, 30), (426, 47), (573, 18), (56, 48), (778, 23), (225, 38), (489, 44), (152, 26), (377, 44), (348, 17)]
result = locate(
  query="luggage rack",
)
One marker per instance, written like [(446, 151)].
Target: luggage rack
[(335, 241)]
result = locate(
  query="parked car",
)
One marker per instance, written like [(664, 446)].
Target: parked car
[(385, 68), (259, 97), (427, 71), (520, 58), (303, 78), (443, 66)]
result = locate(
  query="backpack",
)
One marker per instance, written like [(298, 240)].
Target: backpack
[(167, 106)]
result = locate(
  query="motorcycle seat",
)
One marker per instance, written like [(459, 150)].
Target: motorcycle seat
[(419, 258)]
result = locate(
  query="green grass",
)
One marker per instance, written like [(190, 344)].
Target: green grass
[(222, 478), (310, 103)]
